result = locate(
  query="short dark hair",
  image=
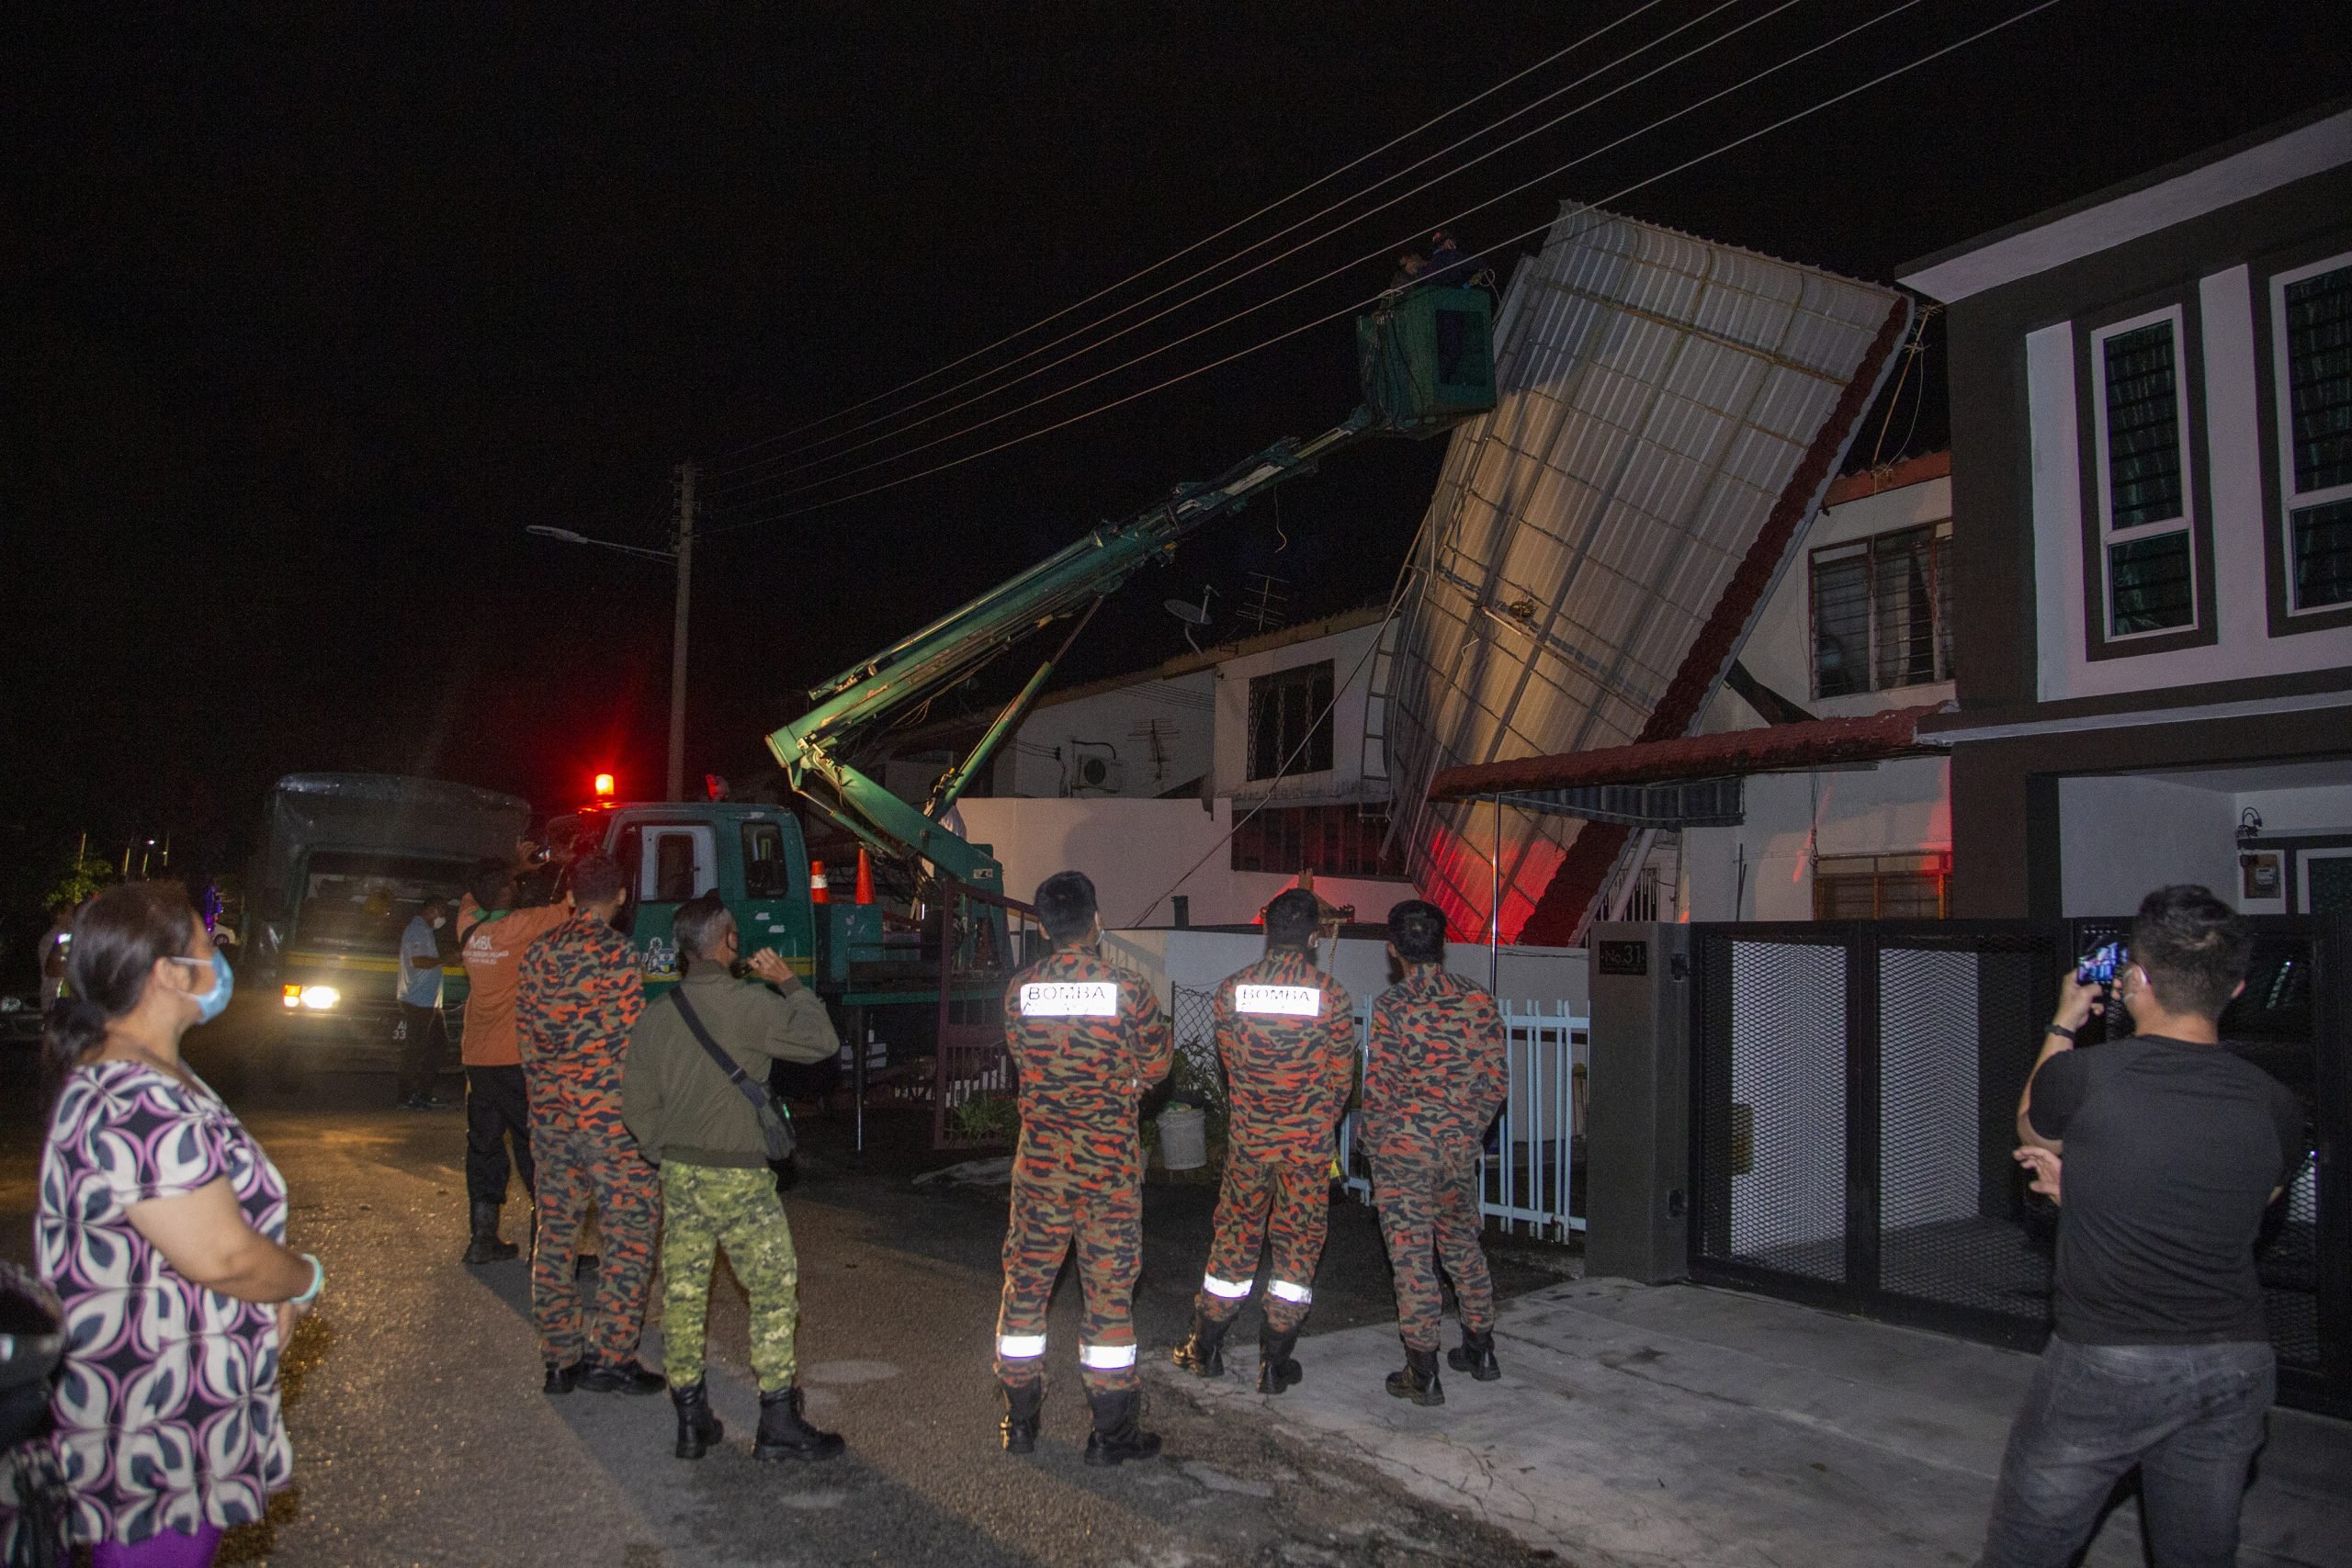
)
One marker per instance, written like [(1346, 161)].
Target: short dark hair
[(2194, 949), (493, 885), (595, 878), (1292, 919), (701, 924), (1066, 905), (1417, 930)]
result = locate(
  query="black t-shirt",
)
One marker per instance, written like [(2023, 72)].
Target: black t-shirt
[(2172, 1151)]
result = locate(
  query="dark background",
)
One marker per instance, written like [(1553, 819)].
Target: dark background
[(309, 313)]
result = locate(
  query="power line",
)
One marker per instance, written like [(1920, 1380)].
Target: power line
[(1687, 163), (1270, 261), (1202, 271), (1210, 238), (1344, 267)]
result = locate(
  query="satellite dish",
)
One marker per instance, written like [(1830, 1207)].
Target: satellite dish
[(1190, 613)]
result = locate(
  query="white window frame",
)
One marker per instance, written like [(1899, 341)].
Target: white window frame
[(2290, 500), (2186, 523), (648, 869), (2303, 858)]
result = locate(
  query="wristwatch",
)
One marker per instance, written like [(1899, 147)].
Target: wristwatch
[(2061, 1031)]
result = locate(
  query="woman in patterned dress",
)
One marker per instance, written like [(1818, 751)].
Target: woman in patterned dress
[(158, 1225)]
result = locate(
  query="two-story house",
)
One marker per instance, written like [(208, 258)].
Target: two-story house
[(2151, 527)]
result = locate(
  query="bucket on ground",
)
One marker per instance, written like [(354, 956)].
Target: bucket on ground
[(1183, 1138)]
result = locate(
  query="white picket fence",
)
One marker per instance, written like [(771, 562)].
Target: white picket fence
[(1524, 1175)]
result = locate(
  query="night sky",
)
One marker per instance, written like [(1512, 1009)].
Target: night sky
[(310, 313)]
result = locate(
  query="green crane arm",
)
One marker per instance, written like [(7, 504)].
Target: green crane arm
[(1069, 581), (1418, 379)]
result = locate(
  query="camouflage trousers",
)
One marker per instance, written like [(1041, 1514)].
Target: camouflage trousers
[(1429, 1213), (580, 1165), (1280, 1204), (1104, 1224), (704, 1209)]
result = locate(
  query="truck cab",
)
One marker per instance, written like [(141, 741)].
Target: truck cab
[(753, 856)]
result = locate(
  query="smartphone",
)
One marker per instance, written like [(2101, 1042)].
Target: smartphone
[(2097, 966)]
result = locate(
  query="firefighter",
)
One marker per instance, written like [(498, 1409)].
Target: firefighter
[(1087, 1040), (1286, 1032), (1434, 1075)]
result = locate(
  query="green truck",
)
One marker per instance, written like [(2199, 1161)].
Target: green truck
[(347, 861)]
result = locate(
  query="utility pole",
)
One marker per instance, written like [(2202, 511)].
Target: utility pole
[(677, 782)]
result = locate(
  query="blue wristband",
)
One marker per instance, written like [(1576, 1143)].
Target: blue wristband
[(318, 1282)]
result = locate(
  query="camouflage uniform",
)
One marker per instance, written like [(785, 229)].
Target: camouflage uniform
[(1434, 1077), (578, 993), (1286, 1033), (707, 1207), (1088, 1038)]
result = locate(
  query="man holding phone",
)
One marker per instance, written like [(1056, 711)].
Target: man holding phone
[(2172, 1148)]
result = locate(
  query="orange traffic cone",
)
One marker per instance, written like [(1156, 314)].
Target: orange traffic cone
[(865, 876), (820, 890)]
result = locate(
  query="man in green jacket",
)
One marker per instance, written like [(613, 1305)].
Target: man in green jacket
[(689, 1118)]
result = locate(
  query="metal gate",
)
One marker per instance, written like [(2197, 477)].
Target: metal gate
[(1854, 1097)]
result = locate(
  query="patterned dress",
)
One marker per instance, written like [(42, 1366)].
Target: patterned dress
[(1434, 1077), (166, 1410), (577, 996), (1088, 1038), (1286, 1032)]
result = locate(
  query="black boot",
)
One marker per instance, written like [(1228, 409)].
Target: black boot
[(486, 1248), (1023, 1401), (1276, 1370), (562, 1377), (1418, 1381), (617, 1377), (784, 1435), (698, 1427), (1117, 1437), (1202, 1353), (1476, 1357)]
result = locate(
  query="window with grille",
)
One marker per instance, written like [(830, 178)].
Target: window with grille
[(1290, 721), (2311, 323), (1882, 887), (1331, 841), (1882, 612), (2144, 477)]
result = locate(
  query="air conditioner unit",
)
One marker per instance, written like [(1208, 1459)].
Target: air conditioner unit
[(1097, 776)]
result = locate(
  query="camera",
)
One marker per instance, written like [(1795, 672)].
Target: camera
[(2099, 965)]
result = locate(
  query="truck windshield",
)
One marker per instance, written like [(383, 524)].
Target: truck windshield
[(361, 903)]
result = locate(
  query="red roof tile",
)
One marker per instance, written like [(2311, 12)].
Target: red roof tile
[(1776, 748)]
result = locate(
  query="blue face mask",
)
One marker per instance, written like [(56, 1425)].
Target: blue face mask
[(211, 1004)]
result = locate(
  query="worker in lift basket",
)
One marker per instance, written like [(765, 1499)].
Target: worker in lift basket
[(1088, 1038), (1286, 1035), (1434, 1075)]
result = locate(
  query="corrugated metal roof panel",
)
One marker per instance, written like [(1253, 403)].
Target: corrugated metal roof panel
[(1662, 397)]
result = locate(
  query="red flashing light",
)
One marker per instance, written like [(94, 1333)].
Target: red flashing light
[(603, 786)]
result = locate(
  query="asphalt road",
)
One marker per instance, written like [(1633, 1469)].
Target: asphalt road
[(421, 1435)]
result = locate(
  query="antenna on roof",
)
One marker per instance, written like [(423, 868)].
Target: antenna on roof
[(1268, 602), (1190, 613)]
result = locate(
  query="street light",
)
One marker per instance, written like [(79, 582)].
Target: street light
[(683, 558)]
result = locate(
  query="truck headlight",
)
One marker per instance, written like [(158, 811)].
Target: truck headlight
[(318, 999), (293, 996)]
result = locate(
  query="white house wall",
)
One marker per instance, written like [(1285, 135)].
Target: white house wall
[(2233, 453), (1349, 655), (1779, 653), (1139, 851), (2124, 835), (1162, 733), (1763, 869)]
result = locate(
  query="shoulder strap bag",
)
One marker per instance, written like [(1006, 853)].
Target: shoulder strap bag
[(775, 1120)]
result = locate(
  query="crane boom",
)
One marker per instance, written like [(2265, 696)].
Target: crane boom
[(1420, 375)]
